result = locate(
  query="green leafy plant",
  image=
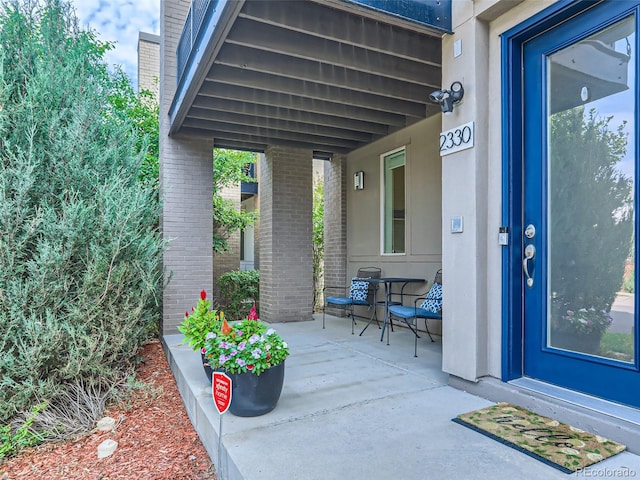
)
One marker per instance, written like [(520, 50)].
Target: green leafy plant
[(249, 345), (199, 323), (229, 169), (13, 441), (239, 289), (318, 243)]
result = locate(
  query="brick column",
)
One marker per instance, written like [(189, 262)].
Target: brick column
[(148, 62), (186, 188), (335, 225), (256, 226), (285, 244)]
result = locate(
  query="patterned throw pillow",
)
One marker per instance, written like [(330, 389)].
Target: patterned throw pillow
[(358, 289), (433, 303)]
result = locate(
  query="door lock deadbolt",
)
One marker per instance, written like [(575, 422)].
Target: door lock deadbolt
[(530, 231)]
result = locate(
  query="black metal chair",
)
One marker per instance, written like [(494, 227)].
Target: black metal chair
[(360, 293), (430, 308)]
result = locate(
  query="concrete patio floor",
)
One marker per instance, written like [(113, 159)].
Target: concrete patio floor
[(356, 408)]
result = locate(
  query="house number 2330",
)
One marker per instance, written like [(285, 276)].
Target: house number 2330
[(457, 139)]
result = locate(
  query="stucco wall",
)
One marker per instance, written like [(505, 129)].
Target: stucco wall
[(496, 28), (472, 187), (424, 192)]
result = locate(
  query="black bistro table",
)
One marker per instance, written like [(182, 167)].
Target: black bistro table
[(388, 283)]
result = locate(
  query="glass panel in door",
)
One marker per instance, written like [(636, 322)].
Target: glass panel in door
[(590, 195), (579, 201)]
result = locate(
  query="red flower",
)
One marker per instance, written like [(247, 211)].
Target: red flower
[(252, 313), (203, 295), (186, 314), (250, 367)]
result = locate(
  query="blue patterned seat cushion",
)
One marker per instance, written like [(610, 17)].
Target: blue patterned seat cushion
[(433, 302)]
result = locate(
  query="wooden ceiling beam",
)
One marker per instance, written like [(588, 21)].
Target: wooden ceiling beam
[(265, 111)]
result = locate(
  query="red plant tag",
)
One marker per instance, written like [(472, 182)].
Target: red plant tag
[(221, 389)]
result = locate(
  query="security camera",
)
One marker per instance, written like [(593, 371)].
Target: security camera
[(438, 96), (447, 98)]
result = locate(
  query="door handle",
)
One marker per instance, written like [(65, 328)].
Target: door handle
[(529, 253)]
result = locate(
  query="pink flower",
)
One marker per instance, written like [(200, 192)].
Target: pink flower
[(253, 315)]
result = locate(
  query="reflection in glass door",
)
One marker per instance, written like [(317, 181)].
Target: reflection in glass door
[(590, 195), (579, 171)]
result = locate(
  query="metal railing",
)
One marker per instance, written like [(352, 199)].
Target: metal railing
[(197, 12), (249, 188)]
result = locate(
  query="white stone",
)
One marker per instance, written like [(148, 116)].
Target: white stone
[(105, 424), (106, 448)]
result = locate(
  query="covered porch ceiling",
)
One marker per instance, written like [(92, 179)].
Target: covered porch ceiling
[(325, 75)]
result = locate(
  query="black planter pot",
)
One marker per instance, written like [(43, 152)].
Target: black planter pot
[(208, 371), (577, 342), (254, 395)]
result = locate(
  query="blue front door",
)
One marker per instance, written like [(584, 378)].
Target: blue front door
[(577, 245)]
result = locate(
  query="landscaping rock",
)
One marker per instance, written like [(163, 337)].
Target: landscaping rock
[(106, 448), (105, 424)]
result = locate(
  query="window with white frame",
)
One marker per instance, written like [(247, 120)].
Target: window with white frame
[(393, 201)]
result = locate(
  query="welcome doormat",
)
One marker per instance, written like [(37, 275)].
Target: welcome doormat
[(557, 444)]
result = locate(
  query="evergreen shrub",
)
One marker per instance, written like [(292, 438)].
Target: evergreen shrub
[(80, 250)]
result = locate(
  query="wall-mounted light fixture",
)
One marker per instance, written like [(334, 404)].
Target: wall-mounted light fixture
[(358, 180), (447, 98)]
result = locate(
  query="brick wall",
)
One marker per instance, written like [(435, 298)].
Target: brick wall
[(230, 260), (335, 224), (285, 243), (186, 186)]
